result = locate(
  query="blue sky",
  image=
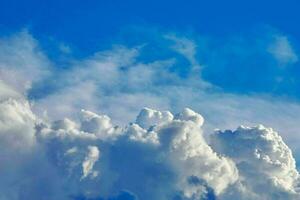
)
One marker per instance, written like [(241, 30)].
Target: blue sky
[(99, 21), (115, 100), (241, 28)]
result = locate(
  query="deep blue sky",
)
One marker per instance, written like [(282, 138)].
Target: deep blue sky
[(89, 26), (85, 23)]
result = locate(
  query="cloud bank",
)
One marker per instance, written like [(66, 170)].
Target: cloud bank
[(159, 156), (54, 144)]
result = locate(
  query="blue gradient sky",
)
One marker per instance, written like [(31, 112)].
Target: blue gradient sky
[(232, 36)]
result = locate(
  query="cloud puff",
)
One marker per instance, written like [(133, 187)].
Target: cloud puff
[(266, 165), (157, 149)]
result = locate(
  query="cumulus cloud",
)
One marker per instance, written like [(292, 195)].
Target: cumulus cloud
[(60, 140), (266, 165), (159, 152), (159, 156)]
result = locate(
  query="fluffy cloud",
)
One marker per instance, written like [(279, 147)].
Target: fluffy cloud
[(159, 156), (157, 149), (56, 140), (267, 168)]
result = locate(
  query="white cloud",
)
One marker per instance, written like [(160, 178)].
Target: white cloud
[(266, 165), (159, 155), (179, 145), (89, 161), (17, 125), (22, 62), (149, 117)]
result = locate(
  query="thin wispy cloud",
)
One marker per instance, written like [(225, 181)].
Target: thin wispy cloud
[(283, 51)]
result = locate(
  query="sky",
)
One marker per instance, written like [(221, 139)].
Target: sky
[(167, 100), (244, 25)]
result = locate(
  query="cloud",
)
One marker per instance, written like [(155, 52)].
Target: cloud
[(186, 47), (22, 62), (160, 156), (283, 51), (48, 119), (89, 161), (264, 161)]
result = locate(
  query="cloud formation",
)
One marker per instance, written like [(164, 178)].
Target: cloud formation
[(159, 156), (51, 132), (266, 165)]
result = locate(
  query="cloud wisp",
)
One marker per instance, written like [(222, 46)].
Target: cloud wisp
[(283, 51)]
